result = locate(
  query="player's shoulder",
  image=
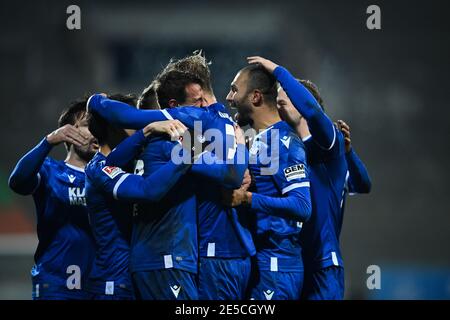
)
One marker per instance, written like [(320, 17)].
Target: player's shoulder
[(95, 166), (216, 107), (288, 137), (56, 167), (190, 111), (158, 147), (51, 163), (219, 110)]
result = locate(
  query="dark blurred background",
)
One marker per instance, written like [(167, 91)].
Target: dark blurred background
[(390, 85)]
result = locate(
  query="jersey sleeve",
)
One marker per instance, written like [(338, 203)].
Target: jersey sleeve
[(127, 150), (317, 153), (358, 179), (31, 170), (135, 188), (320, 126), (292, 181), (228, 173), (293, 171), (123, 115), (187, 115)]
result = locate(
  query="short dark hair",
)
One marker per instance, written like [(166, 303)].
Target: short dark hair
[(74, 112), (172, 85), (148, 99), (258, 78), (312, 87), (104, 132), (195, 64)]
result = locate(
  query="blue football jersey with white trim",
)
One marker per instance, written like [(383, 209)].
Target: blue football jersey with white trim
[(111, 222), (66, 249), (222, 231), (164, 233), (278, 165), (320, 235)]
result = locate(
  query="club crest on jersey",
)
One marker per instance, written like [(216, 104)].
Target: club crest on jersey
[(112, 172), (297, 171)]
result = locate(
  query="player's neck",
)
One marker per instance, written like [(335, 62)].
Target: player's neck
[(104, 150), (75, 160), (265, 118)]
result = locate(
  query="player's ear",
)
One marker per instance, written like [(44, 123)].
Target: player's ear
[(173, 103), (257, 98)]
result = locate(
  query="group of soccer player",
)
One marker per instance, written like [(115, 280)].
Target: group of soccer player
[(164, 197)]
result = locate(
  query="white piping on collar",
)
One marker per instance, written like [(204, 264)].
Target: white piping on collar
[(74, 167), (260, 133)]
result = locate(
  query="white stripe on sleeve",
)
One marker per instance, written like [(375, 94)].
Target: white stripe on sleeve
[(118, 183), (166, 114), (295, 186)]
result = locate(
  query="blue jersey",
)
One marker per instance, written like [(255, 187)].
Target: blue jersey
[(320, 235), (277, 238), (357, 179), (220, 228), (66, 250), (165, 233), (221, 233), (111, 224), (328, 168)]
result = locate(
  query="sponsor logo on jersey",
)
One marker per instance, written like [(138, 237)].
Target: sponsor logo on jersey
[(112, 172), (77, 196), (175, 290), (286, 140), (268, 294), (71, 178), (297, 171)]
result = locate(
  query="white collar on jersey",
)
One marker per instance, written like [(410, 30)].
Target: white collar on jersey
[(74, 167), (262, 132)]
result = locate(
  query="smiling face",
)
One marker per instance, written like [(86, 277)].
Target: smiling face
[(238, 99)]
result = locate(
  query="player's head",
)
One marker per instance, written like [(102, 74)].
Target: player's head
[(289, 113), (75, 115), (149, 98), (252, 88), (197, 65), (105, 133), (179, 88)]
